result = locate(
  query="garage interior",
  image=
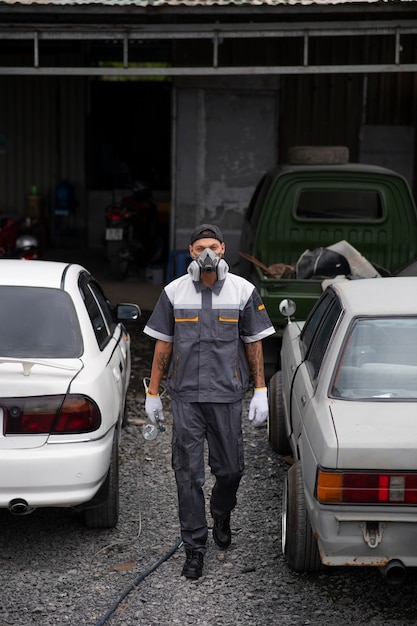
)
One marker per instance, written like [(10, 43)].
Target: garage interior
[(199, 101)]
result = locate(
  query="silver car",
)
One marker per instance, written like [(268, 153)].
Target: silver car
[(344, 406)]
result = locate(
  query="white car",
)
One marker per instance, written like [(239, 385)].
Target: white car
[(64, 373), (344, 406)]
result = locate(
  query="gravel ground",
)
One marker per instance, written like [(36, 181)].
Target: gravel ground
[(55, 571)]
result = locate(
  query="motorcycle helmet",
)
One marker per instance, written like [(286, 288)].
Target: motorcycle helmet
[(26, 242)]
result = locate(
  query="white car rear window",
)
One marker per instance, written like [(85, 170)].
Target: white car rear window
[(379, 360), (38, 322)]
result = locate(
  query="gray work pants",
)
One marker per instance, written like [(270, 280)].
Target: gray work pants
[(221, 425)]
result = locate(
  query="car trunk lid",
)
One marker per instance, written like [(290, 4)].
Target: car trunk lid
[(375, 435), (23, 378)]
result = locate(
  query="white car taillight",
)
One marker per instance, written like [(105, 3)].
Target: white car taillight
[(59, 414)]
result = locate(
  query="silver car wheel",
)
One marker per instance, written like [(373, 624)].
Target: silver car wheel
[(284, 506), (301, 549)]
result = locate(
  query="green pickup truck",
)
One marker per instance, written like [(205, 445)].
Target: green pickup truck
[(299, 207)]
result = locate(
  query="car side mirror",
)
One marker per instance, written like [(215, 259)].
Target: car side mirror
[(287, 308), (127, 312)]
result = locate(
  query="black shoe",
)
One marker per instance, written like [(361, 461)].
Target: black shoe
[(222, 534), (193, 567)]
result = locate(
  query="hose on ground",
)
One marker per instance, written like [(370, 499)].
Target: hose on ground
[(136, 582)]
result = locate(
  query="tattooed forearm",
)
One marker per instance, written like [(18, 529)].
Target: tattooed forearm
[(254, 354), (161, 359), (164, 357)]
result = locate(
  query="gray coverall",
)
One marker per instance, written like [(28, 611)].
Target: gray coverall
[(207, 379)]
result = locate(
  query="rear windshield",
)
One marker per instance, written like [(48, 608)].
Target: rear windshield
[(337, 204), (38, 322), (379, 360)]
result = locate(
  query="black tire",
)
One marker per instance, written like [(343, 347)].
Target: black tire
[(106, 514), (318, 155), (118, 255), (125, 419), (298, 542), (276, 424)]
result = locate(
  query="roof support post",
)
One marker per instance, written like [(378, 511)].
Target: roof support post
[(215, 49), (125, 50), (305, 52), (397, 46), (35, 49)]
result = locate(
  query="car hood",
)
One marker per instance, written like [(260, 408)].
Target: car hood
[(375, 435)]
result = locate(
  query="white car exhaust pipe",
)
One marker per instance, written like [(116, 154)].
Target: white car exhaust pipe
[(394, 571), (18, 506)]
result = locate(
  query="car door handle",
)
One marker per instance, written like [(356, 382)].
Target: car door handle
[(116, 374), (293, 368), (303, 400)]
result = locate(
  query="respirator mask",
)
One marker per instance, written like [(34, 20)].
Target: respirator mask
[(208, 262)]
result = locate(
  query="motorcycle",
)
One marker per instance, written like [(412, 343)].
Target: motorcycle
[(131, 236), (16, 239)]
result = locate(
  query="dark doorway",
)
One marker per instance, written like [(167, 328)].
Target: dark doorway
[(129, 141), (129, 134)]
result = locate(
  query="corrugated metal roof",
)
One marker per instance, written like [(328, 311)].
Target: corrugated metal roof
[(201, 3)]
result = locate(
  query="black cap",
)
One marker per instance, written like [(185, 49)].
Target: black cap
[(206, 231)]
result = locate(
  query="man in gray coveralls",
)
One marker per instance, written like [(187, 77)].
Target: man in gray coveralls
[(208, 325)]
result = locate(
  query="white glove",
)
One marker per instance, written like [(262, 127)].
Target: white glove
[(153, 407), (258, 408)]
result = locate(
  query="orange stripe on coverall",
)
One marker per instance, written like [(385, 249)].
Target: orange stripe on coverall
[(187, 319)]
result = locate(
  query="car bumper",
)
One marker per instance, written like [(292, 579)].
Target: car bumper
[(57, 474), (366, 538)]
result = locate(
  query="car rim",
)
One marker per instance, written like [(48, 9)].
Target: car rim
[(284, 516)]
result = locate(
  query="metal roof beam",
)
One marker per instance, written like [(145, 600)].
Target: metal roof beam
[(215, 33), (208, 31), (210, 71)]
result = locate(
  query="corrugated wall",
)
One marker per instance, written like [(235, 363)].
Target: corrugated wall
[(43, 133), (334, 110), (42, 140)]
